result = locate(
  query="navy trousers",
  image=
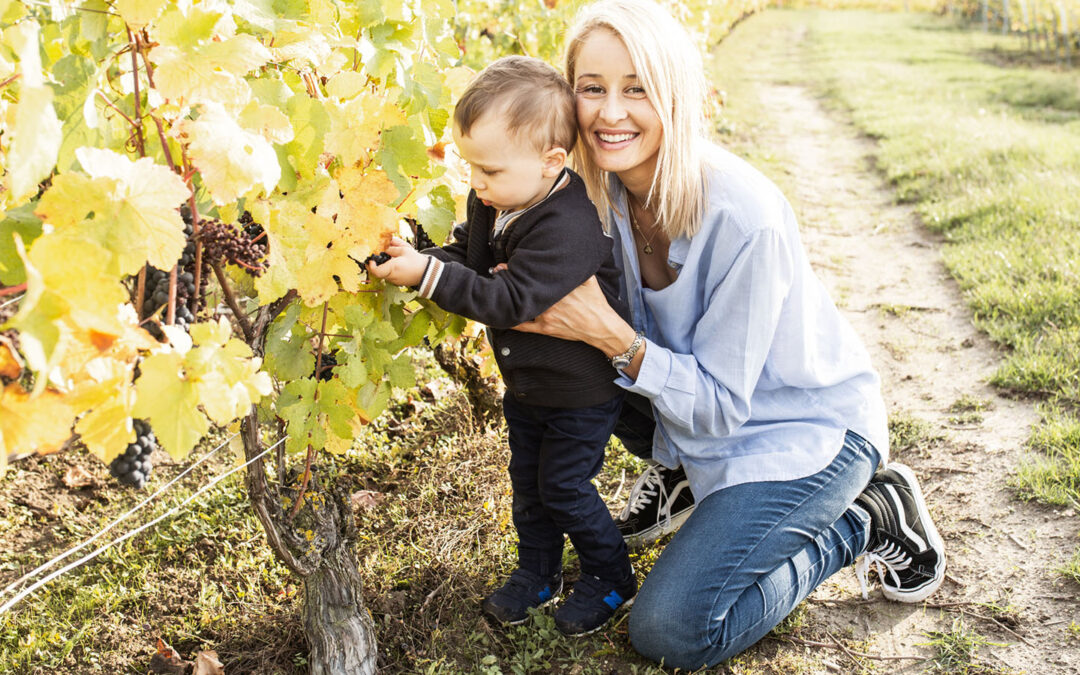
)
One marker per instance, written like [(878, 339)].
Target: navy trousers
[(554, 455)]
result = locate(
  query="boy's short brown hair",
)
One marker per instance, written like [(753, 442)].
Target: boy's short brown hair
[(535, 100)]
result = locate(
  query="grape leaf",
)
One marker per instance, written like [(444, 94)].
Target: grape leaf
[(210, 72), (225, 371), (132, 207), (138, 13), (19, 221), (32, 423), (231, 159), (109, 396), (169, 400), (288, 353), (37, 135)]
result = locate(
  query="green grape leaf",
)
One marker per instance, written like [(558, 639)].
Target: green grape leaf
[(402, 155), (401, 373), (438, 214), (170, 401), (310, 123), (288, 352), (372, 399), (19, 221)]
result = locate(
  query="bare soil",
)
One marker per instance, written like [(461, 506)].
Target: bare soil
[(883, 268)]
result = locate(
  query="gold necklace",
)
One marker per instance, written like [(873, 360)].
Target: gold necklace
[(647, 249)]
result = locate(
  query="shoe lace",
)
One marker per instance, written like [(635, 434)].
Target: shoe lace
[(887, 560), (649, 486)]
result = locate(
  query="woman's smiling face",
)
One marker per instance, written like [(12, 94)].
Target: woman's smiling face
[(617, 123)]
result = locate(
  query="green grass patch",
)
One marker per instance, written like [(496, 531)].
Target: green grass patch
[(958, 651)]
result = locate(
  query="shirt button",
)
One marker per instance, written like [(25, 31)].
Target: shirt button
[(505, 351)]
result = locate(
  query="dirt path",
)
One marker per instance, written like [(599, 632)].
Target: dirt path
[(883, 268)]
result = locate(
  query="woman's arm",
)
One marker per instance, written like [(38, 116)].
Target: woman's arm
[(585, 315)]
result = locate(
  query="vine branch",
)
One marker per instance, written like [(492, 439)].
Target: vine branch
[(230, 299)]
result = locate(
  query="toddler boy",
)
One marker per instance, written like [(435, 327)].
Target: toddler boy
[(531, 236)]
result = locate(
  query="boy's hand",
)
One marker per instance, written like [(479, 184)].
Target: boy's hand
[(405, 267)]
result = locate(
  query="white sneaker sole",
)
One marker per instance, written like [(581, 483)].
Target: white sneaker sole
[(649, 535), (933, 540)]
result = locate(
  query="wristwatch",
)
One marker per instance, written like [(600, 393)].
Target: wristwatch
[(623, 360)]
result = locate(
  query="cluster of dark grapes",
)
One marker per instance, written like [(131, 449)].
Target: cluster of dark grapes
[(133, 467), (157, 294), (379, 259), (254, 231), (325, 370), (224, 242), (422, 240)]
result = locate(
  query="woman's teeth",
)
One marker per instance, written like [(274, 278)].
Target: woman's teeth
[(615, 138)]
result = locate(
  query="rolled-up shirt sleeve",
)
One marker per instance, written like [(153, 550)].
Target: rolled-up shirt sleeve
[(706, 388)]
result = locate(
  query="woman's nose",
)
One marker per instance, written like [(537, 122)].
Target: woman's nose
[(612, 109)]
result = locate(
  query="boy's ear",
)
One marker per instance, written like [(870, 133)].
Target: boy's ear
[(554, 160)]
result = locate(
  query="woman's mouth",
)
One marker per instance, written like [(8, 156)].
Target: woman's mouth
[(615, 140)]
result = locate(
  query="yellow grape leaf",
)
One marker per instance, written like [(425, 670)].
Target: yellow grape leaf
[(231, 159), (37, 136), (355, 126), (33, 423), (306, 48), (70, 292), (170, 401), (211, 72), (108, 395), (37, 131), (327, 256), (225, 371), (133, 205), (138, 13), (77, 272), (365, 209), (283, 224), (268, 121)]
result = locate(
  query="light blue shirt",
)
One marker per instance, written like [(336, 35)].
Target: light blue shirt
[(752, 372)]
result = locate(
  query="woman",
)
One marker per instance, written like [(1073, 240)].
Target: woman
[(744, 372)]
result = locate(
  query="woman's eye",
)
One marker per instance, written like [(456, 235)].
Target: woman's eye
[(591, 90), (636, 92)]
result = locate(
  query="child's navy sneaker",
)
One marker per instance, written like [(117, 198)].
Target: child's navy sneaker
[(523, 590), (592, 603)]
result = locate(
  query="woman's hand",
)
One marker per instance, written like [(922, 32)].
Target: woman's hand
[(584, 315)]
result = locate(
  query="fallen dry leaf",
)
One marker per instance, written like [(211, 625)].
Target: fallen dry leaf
[(366, 499), (167, 661), (207, 663), (10, 363), (78, 477)]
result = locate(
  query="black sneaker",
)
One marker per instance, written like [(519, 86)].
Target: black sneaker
[(592, 603), (524, 589), (659, 503), (905, 547)]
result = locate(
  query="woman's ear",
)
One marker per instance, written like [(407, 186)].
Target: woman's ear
[(554, 160)]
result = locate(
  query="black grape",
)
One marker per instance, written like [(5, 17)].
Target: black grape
[(133, 466)]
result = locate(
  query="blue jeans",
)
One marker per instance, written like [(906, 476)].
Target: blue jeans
[(749, 555), (554, 455)]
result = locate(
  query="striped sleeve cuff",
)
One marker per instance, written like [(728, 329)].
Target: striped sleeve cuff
[(432, 274)]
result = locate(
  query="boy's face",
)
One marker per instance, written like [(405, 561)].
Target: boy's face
[(507, 172)]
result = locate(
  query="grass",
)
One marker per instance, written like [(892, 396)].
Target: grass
[(958, 651)]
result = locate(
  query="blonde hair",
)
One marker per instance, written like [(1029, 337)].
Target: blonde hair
[(535, 102), (668, 65)]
